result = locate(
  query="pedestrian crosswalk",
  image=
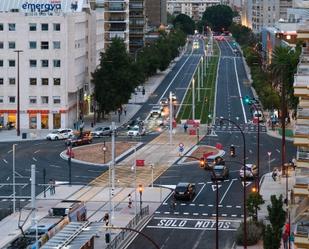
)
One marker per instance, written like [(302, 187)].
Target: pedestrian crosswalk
[(247, 128)]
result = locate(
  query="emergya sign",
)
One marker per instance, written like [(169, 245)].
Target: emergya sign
[(42, 7)]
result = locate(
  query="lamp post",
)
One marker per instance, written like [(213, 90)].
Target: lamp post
[(104, 152), (69, 162), (244, 178), (269, 154), (18, 97), (140, 190)]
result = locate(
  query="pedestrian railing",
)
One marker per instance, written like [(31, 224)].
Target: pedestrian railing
[(124, 234)]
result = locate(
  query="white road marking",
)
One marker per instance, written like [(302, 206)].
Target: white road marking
[(157, 212), (278, 150), (210, 205), (54, 166), (226, 191), (241, 100), (234, 215), (201, 183), (242, 215), (224, 215), (238, 206), (213, 215), (195, 213), (198, 193), (9, 151), (5, 161), (220, 206), (166, 212), (183, 204), (214, 187), (164, 203), (250, 151), (201, 205), (272, 160), (228, 206), (191, 204), (4, 200), (36, 151), (34, 159), (186, 213), (204, 214)]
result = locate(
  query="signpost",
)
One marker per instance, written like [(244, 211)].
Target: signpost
[(181, 148)]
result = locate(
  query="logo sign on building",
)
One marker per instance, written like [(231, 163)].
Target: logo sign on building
[(52, 6)]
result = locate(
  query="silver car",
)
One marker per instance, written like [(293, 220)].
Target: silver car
[(101, 131)]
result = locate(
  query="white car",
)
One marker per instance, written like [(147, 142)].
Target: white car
[(156, 111), (136, 131), (251, 171), (60, 134)]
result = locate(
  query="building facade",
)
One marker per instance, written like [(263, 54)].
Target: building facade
[(137, 25), (156, 14), (192, 8), (60, 46)]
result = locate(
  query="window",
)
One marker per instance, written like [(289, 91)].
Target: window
[(57, 81), (44, 63), (44, 99), (44, 81), (1, 99), (32, 44), (1, 44), (1, 26), (57, 63), (56, 99), (12, 27), (44, 26), (32, 26), (12, 45), (56, 44), (56, 26), (12, 99), (32, 100), (1, 63), (44, 45), (1, 81), (32, 63), (12, 81), (32, 81), (11, 63), (32, 121)]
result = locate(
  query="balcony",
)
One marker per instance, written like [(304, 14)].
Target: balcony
[(302, 233), (303, 113)]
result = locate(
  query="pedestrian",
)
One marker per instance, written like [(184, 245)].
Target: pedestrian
[(54, 186), (285, 238), (130, 201), (106, 219), (274, 174), (279, 174), (185, 127), (50, 182), (125, 110), (292, 239)]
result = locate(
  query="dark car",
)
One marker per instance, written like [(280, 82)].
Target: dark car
[(77, 140), (220, 172), (134, 122), (184, 191)]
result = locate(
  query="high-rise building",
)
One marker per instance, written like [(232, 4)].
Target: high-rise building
[(137, 25), (192, 8), (60, 47), (155, 12)]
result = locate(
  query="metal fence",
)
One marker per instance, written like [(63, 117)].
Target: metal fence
[(124, 234)]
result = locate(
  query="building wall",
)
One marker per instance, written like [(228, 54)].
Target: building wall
[(75, 58), (156, 12)]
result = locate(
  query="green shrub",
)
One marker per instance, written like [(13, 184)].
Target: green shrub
[(254, 233)]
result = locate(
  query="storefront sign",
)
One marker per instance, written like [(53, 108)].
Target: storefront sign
[(42, 7)]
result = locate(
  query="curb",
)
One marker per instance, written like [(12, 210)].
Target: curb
[(269, 133), (118, 158)]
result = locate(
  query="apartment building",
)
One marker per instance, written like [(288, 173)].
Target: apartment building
[(193, 8), (156, 14), (300, 198), (60, 46), (137, 25)]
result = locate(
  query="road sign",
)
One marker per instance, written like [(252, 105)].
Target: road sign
[(214, 187)]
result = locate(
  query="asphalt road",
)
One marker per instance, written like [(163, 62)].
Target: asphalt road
[(45, 154), (191, 224)]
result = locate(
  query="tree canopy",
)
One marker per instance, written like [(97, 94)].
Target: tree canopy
[(185, 23), (218, 17)]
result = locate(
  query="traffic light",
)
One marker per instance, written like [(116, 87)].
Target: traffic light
[(232, 151), (140, 188), (202, 162), (247, 100)]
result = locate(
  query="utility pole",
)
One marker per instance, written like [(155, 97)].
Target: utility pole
[(18, 94), (171, 118), (193, 99), (113, 166), (33, 204), (198, 83), (14, 190)]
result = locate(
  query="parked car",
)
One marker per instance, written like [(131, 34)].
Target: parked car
[(137, 130), (134, 122), (220, 172), (251, 171), (60, 134), (101, 131), (184, 191), (79, 140)]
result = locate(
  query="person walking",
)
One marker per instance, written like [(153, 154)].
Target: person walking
[(185, 127), (106, 219), (54, 186), (274, 174), (292, 239), (285, 238), (50, 183), (130, 201)]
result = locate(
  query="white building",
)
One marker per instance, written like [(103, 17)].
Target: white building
[(193, 8), (60, 42)]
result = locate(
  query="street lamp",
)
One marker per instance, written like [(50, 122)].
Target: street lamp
[(18, 97), (244, 178), (104, 151), (69, 153), (269, 154), (140, 190)]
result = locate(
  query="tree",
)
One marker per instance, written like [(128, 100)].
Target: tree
[(185, 23), (114, 79), (254, 201), (218, 17), (276, 215)]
